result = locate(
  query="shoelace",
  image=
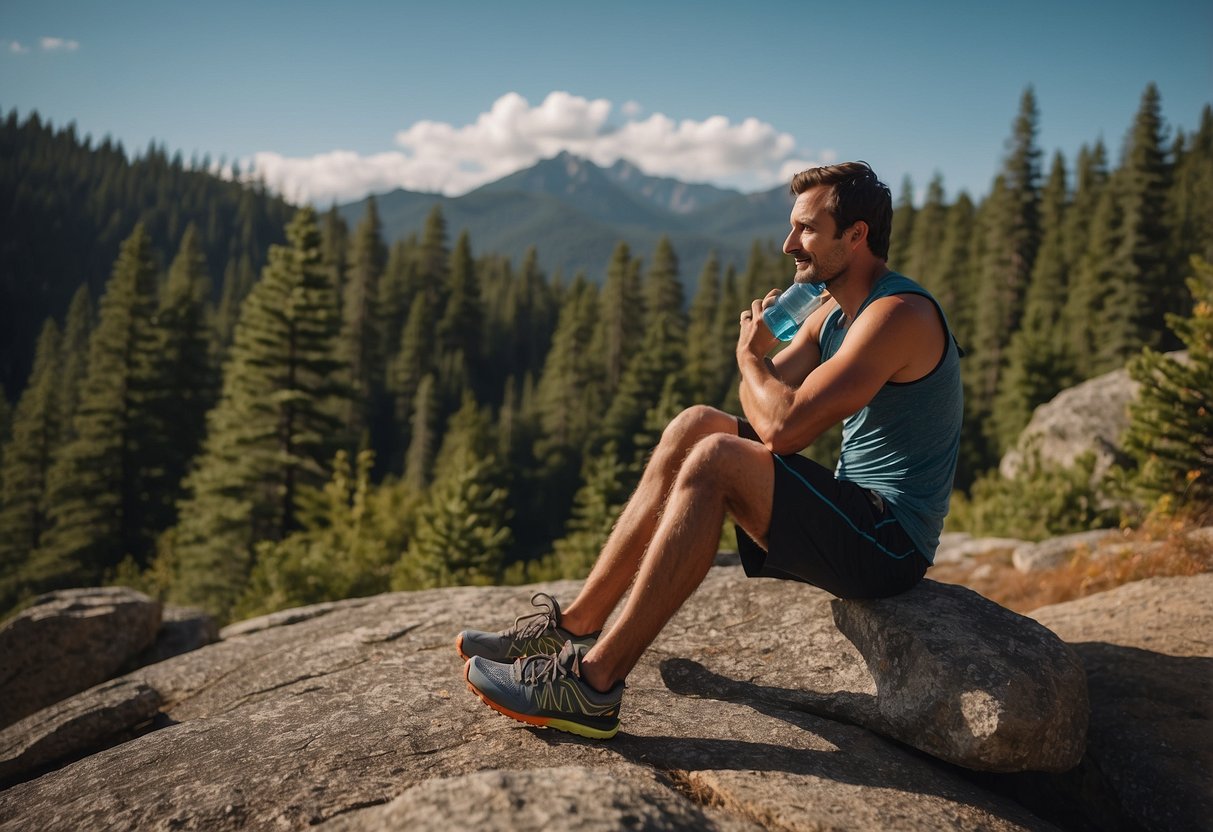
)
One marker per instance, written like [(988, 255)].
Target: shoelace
[(534, 670), (538, 621)]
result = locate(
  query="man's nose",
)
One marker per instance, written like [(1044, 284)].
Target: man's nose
[(791, 243)]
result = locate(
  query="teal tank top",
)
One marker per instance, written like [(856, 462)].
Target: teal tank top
[(904, 444)]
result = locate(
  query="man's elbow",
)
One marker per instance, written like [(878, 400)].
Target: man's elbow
[(782, 442)]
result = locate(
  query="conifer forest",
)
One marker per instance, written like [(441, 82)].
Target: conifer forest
[(243, 405)]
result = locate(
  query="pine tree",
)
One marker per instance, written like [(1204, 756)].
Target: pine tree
[(926, 238), (1012, 236), (1145, 288), (660, 356), (185, 384), (1038, 362), (238, 279), (536, 316), (423, 442), (1078, 314), (352, 535), (396, 291), (434, 254), (903, 227), (1091, 175), (568, 395), (1095, 271), (726, 331), (334, 248), (359, 344), (596, 506), (705, 361), (1191, 201), (274, 430), (657, 363), (569, 403), (25, 463), (412, 362), (97, 488), (762, 274), (953, 281), (468, 434), (463, 530), (77, 327), (1171, 425), (662, 289), (620, 321), (458, 330)]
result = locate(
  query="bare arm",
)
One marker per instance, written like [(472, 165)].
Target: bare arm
[(893, 335)]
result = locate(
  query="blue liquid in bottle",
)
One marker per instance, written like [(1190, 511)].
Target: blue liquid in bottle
[(792, 308)]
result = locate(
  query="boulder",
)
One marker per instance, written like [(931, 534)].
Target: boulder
[(1202, 537), (1148, 651), (1089, 417), (1057, 551), (104, 716), (333, 713), (955, 547), (969, 681), (69, 640)]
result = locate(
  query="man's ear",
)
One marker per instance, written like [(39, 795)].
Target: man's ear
[(857, 233)]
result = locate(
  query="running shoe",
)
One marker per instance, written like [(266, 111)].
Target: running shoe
[(533, 634), (547, 691)]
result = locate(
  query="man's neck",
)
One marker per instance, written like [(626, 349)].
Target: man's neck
[(852, 287)]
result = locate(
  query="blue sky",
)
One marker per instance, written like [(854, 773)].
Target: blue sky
[(335, 100)]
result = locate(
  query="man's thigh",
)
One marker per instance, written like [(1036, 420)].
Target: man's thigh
[(743, 472), (829, 533)]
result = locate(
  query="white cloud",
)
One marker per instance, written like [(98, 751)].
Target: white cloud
[(17, 48), (437, 156), (632, 109), (58, 45)]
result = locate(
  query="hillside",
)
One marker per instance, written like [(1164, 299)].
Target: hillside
[(68, 204)]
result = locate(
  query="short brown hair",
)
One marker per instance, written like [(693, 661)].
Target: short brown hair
[(855, 194)]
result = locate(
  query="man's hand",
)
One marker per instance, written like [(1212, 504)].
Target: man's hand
[(755, 338)]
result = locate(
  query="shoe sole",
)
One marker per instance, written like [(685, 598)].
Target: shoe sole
[(542, 721)]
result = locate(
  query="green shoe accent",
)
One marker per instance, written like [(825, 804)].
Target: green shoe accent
[(547, 692)]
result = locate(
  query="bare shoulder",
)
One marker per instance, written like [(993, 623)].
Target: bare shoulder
[(911, 325), (897, 315)]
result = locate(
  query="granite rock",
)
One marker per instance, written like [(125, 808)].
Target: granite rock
[(336, 711), (69, 640), (969, 681)]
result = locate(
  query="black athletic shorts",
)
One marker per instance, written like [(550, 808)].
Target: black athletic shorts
[(830, 533)]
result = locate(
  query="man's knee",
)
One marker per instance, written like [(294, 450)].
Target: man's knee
[(737, 471), (695, 423), (717, 458)]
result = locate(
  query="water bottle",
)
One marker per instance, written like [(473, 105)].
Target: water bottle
[(791, 309)]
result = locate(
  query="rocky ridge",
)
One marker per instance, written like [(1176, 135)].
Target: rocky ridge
[(752, 710)]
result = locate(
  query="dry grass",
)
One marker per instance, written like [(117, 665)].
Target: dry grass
[(1157, 550)]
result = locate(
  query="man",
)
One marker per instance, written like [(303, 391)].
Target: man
[(878, 355)]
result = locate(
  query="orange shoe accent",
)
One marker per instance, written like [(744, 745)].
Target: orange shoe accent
[(537, 721), (459, 647)]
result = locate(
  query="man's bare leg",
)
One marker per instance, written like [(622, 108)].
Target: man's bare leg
[(721, 474), (620, 557)]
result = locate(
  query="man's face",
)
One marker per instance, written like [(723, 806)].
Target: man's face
[(813, 242)]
